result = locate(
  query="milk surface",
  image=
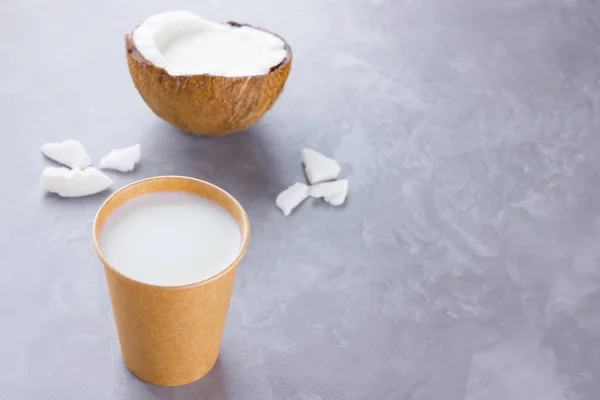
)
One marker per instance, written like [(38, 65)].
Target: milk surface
[(170, 239)]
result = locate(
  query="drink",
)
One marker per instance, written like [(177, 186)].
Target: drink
[(170, 239), (170, 246)]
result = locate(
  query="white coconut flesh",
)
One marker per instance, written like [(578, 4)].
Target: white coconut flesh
[(185, 44)]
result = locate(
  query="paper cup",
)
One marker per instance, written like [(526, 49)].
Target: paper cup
[(170, 335)]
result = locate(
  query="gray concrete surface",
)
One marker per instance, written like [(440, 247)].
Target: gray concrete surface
[(464, 266)]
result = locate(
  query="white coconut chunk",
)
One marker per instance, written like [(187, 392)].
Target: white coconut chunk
[(70, 153), (74, 182), (185, 44), (123, 160), (337, 199), (329, 189), (319, 168), (291, 197)]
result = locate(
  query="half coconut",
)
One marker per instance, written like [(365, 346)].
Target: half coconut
[(206, 77)]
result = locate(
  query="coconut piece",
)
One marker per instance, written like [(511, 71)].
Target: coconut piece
[(70, 153), (228, 91), (319, 168), (329, 189), (291, 197), (337, 199), (74, 182), (123, 160)]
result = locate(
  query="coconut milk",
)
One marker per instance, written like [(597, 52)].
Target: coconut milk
[(170, 239)]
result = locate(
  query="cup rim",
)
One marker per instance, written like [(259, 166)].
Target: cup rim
[(244, 230)]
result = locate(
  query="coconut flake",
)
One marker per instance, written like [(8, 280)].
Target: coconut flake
[(337, 199), (123, 160), (318, 167), (74, 182), (333, 193), (70, 153), (291, 197), (329, 189), (185, 44)]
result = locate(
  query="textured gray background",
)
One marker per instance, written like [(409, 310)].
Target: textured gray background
[(464, 266)]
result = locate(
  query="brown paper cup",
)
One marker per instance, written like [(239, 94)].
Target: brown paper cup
[(170, 335)]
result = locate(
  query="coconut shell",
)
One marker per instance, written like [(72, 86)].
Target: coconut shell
[(206, 104)]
